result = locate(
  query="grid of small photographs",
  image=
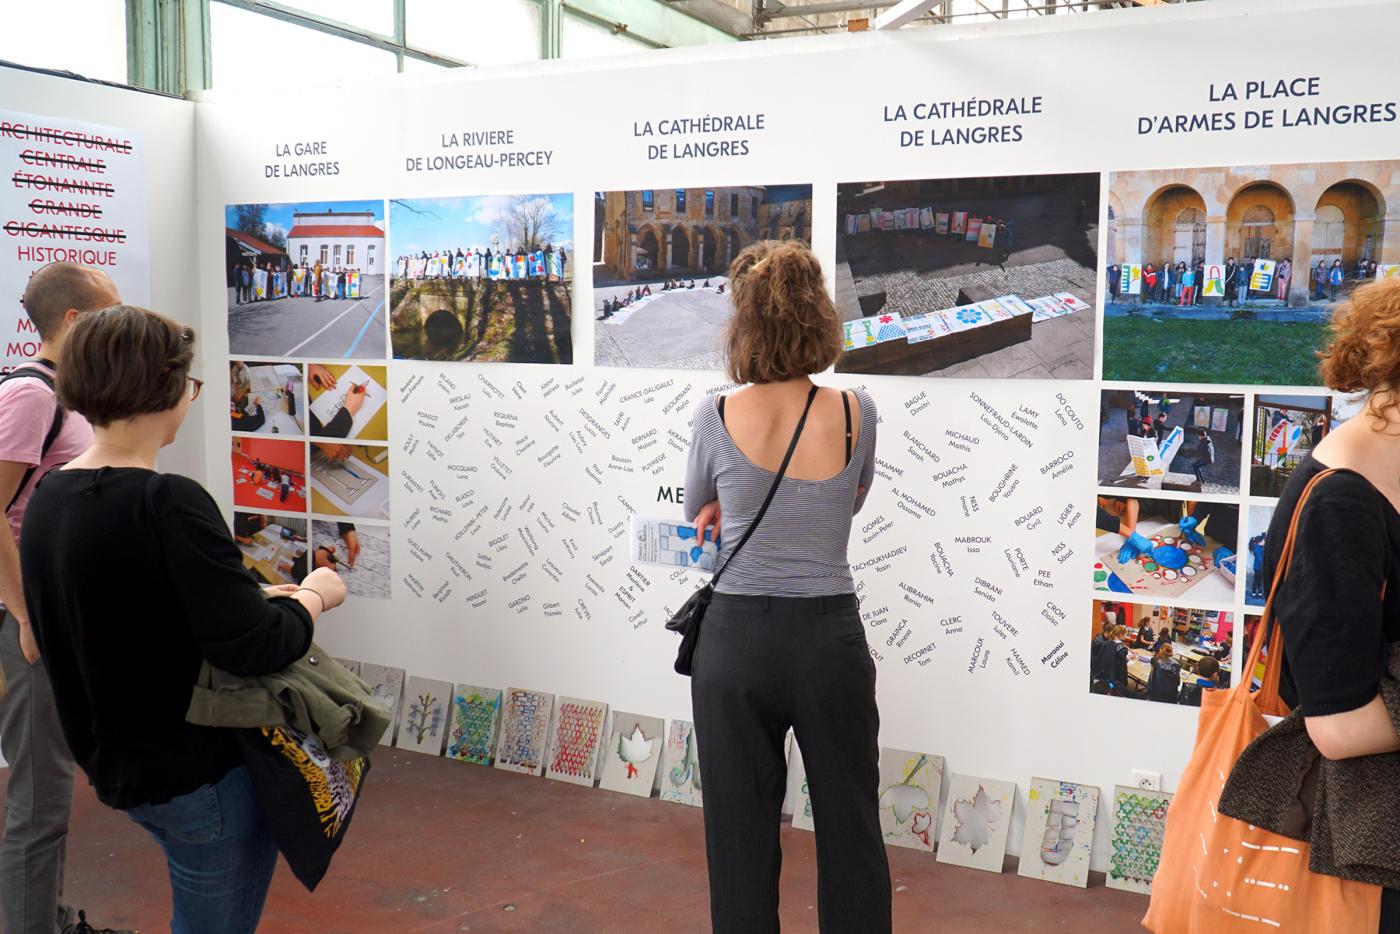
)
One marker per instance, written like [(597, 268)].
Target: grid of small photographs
[(308, 393)]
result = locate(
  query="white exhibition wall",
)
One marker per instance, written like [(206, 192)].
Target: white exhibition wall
[(512, 483)]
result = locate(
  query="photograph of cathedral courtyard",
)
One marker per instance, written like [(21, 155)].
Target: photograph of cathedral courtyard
[(484, 279), (660, 263), (990, 277), (1230, 274)]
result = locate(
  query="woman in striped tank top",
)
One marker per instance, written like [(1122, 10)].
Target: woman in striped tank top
[(783, 645)]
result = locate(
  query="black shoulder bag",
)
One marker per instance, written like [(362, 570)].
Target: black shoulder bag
[(686, 620)]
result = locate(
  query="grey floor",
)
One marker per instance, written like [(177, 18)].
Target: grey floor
[(678, 330), (303, 327)]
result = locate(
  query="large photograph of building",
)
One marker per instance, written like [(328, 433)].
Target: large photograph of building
[(972, 277), (482, 279), (305, 279), (1228, 275), (660, 259)]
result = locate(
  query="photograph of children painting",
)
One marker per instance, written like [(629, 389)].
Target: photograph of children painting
[(305, 280), (974, 277), (1166, 547), (1286, 429), (358, 551), (1229, 274), (266, 398), (1156, 439), (1166, 654), (274, 547), (482, 279), (661, 264)]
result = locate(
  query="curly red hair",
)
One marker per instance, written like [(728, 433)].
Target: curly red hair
[(785, 325), (1365, 351)]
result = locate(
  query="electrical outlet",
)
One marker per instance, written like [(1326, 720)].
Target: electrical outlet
[(1148, 781)]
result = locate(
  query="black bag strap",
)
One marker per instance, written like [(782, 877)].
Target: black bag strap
[(31, 370), (846, 402), (772, 491)]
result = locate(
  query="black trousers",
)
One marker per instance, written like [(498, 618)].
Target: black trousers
[(762, 665)]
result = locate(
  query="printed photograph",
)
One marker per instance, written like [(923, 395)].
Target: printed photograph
[(350, 480), (274, 547), (1166, 548), (1155, 439), (1286, 429), (1166, 654), (359, 552), (1255, 593), (306, 279), (1229, 275), (482, 279), (660, 267), (269, 474), (266, 398), (348, 401), (973, 277), (1251, 632)]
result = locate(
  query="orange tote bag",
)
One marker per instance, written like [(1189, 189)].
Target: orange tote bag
[(1218, 874)]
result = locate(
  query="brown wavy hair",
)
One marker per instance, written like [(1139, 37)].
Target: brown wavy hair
[(1365, 349), (785, 325), (122, 362)]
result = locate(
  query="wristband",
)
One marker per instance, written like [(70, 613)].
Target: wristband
[(317, 593)]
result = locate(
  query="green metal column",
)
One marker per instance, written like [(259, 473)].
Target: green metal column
[(167, 45), (551, 28)]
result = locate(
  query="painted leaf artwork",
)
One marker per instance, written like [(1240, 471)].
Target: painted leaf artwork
[(1139, 823), (524, 730), (680, 765), (910, 783), (472, 734), (1059, 832), (423, 719), (573, 752), (632, 754), (976, 823), (386, 690)]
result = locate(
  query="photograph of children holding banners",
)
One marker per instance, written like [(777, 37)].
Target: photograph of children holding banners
[(1156, 439), (1229, 274), (971, 277), (483, 279), (306, 279)]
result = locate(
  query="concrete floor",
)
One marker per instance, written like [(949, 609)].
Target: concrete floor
[(304, 327), (439, 846)]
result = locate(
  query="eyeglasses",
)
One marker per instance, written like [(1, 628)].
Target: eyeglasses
[(196, 385)]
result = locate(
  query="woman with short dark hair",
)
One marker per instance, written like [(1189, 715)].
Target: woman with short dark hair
[(163, 588), (783, 645)]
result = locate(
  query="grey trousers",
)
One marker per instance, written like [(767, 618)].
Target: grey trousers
[(763, 664), (38, 796)]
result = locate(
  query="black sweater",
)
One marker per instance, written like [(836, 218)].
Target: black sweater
[(127, 601)]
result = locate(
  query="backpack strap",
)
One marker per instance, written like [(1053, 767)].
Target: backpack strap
[(31, 371)]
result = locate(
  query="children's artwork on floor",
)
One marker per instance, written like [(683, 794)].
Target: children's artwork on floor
[(350, 480), (632, 754), (423, 721), (668, 543), (910, 783), (274, 547), (1154, 439), (578, 732), (269, 474), (798, 789), (348, 401), (1159, 653), (358, 552), (1256, 592), (976, 823), (680, 766), (1059, 832), (1166, 548), (524, 730), (386, 690), (266, 398), (306, 280), (661, 292), (1139, 822), (498, 293), (471, 736)]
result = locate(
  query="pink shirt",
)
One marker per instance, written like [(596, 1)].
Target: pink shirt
[(26, 415)]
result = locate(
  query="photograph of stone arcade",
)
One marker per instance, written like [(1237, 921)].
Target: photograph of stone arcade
[(660, 264), (1229, 275)]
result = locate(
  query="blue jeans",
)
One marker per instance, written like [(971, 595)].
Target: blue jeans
[(219, 853)]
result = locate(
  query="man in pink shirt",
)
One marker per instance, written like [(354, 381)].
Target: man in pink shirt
[(35, 437)]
